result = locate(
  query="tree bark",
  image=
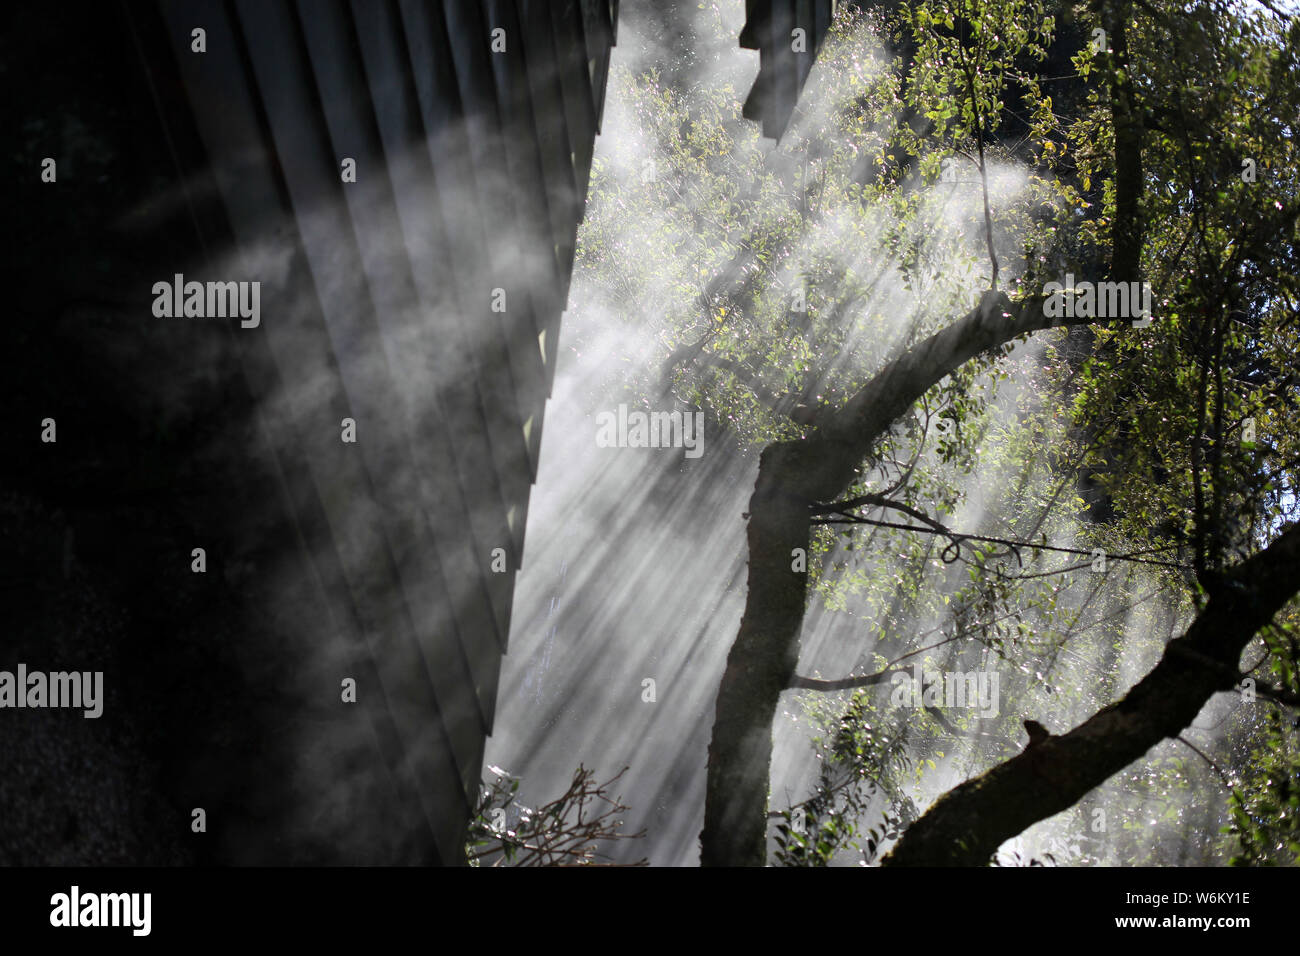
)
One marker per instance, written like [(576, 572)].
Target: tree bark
[(760, 665)]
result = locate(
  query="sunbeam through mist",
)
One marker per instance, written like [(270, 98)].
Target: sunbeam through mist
[(763, 283)]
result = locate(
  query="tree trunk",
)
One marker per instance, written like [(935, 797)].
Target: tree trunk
[(760, 666)]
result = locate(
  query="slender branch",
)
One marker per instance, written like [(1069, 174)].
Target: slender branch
[(1208, 762), (957, 538), (969, 823), (844, 683), (984, 179), (842, 508)]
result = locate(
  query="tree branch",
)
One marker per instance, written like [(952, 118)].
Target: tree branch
[(968, 824), (792, 476), (844, 683)]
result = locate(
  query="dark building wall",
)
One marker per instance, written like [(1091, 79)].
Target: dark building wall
[(787, 35), (371, 560)]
